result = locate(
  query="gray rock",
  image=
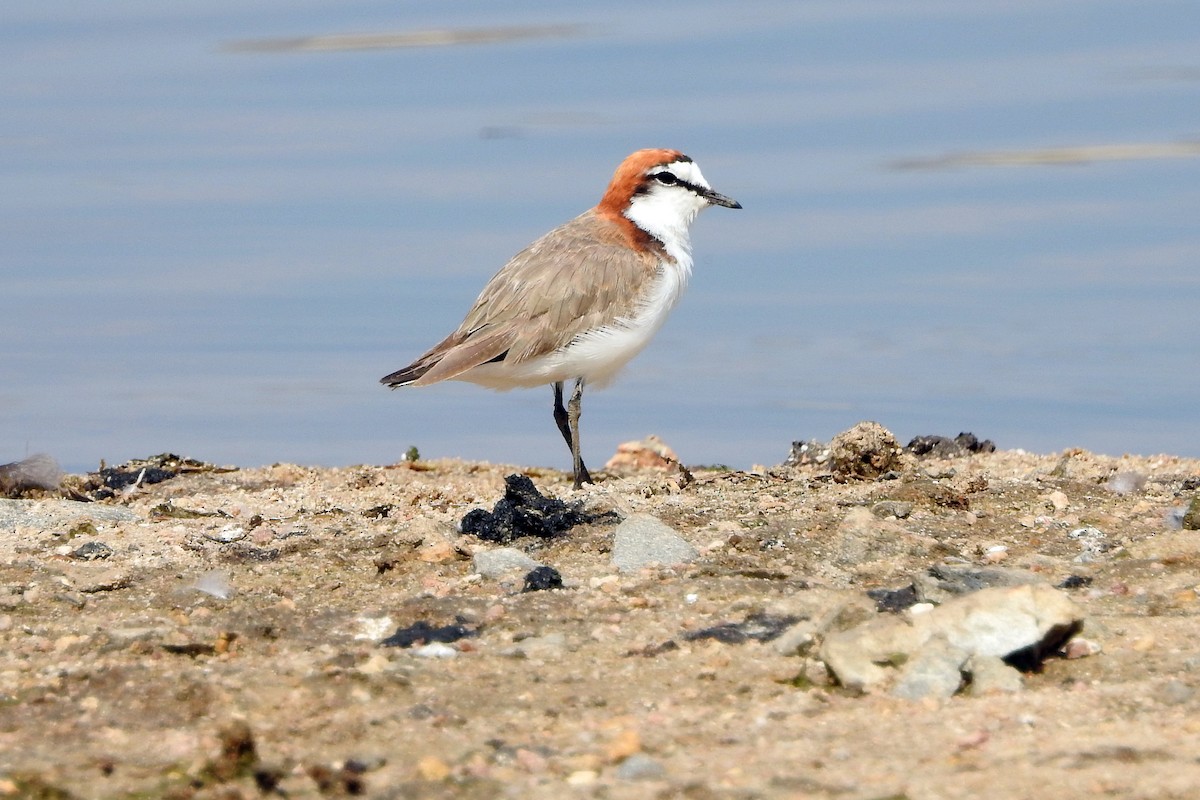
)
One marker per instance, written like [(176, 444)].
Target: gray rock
[(640, 767), (501, 561), (990, 675), (942, 582), (935, 670), (1017, 623), (642, 540), (900, 509), (861, 657), (1020, 624), (46, 514), (92, 551), (1174, 693)]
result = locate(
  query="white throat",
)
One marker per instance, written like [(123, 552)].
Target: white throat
[(666, 212)]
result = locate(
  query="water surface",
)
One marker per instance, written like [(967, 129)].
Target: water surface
[(215, 241)]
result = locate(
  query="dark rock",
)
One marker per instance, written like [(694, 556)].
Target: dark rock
[(524, 511), (945, 447), (760, 627), (1075, 582), (542, 578), (894, 599), (422, 632), (942, 581), (92, 551)]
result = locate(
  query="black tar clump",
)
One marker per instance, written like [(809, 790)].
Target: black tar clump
[(542, 578), (524, 511), (421, 632)]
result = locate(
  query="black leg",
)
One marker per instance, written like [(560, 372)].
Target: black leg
[(560, 416), (573, 409)]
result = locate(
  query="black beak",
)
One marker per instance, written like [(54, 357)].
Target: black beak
[(718, 199)]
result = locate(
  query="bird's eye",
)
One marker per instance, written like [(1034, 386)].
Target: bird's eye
[(666, 178)]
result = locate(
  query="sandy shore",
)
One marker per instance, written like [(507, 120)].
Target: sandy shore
[(221, 634)]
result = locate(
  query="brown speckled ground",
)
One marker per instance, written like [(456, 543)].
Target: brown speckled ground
[(118, 678)]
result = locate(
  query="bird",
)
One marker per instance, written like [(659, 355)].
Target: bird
[(582, 300)]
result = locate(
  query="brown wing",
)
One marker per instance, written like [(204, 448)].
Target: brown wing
[(578, 277)]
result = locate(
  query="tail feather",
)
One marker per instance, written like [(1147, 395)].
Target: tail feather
[(455, 355), (405, 376)]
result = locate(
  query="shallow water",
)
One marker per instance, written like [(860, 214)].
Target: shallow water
[(214, 240)]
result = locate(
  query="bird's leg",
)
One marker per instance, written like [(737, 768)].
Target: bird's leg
[(573, 408), (568, 426), (560, 416)]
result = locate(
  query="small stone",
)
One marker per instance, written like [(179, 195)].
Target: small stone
[(995, 554), (1080, 648), (1058, 500), (627, 743), (990, 675), (934, 671), (92, 551), (501, 561), (1191, 517), (583, 777), (435, 650), (374, 628), (439, 552), (642, 540), (900, 509), (1174, 693), (640, 767), (541, 579), (432, 768)]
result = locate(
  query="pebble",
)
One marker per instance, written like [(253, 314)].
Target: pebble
[(1080, 648), (432, 768), (435, 650), (583, 777), (640, 767), (374, 628), (642, 540), (92, 551), (934, 671), (900, 509), (501, 561), (990, 675), (1174, 693)]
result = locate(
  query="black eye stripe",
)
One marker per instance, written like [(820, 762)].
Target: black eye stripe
[(667, 178)]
